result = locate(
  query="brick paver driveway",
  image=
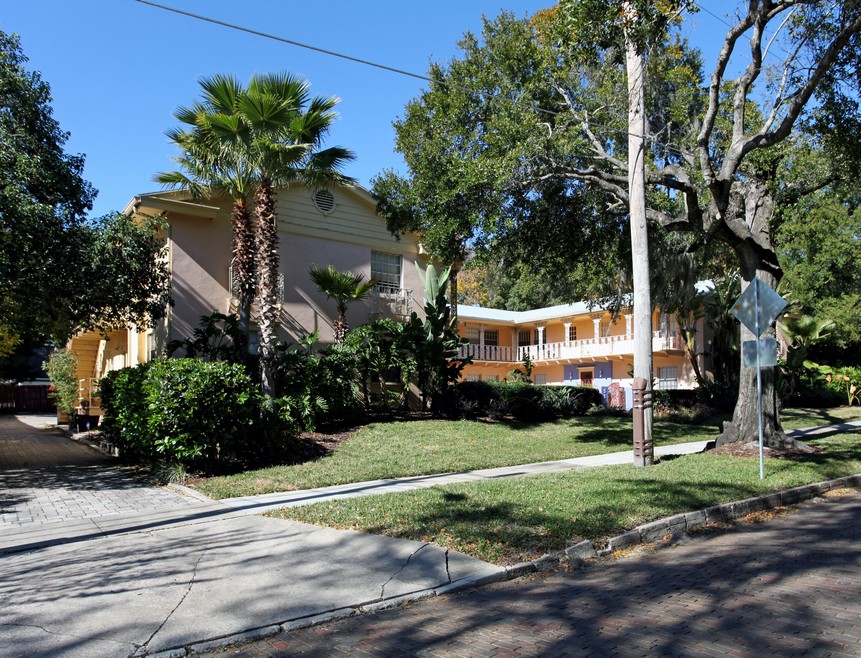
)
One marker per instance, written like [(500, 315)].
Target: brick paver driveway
[(788, 587), (46, 478)]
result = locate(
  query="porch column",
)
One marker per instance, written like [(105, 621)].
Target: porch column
[(567, 326), (540, 335), (481, 337), (596, 323)]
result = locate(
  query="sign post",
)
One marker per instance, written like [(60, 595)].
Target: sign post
[(756, 308)]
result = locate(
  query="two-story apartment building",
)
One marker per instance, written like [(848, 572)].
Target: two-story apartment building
[(338, 227), (571, 344)]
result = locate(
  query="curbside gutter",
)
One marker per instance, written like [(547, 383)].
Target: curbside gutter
[(578, 555)]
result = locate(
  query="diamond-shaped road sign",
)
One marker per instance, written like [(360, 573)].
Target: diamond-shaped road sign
[(758, 306)]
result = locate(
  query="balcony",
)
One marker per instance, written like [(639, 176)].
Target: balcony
[(590, 348), (389, 302)]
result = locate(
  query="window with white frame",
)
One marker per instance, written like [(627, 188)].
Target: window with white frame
[(472, 377), (668, 377), (491, 337), (386, 270), (572, 333), (491, 378), (473, 335), (540, 380)]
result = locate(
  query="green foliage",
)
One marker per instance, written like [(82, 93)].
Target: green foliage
[(845, 380), (201, 414), (217, 337), (384, 351), (43, 201), (316, 389), (127, 273), (59, 273), (344, 288), (524, 402), (524, 375), (819, 247), (61, 367), (436, 341), (800, 333)]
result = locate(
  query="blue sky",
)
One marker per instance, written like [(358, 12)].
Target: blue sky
[(119, 68)]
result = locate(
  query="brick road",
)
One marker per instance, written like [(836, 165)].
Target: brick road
[(47, 478), (788, 587)]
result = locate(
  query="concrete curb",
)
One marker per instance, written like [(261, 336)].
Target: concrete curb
[(577, 554), (679, 524)]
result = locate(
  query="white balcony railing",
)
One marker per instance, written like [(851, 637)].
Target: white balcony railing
[(605, 346), (391, 302), (489, 353)]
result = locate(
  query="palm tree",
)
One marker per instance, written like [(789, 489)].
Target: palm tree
[(286, 133), (344, 288), (214, 160), (256, 139)]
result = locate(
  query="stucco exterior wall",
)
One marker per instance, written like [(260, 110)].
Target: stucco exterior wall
[(200, 247)]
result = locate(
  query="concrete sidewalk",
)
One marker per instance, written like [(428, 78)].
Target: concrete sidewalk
[(156, 580)]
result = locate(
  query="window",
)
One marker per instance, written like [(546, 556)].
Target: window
[(524, 337), (572, 333), (540, 380), (386, 270), (472, 377), (491, 378), (668, 377), (473, 335), (491, 337)]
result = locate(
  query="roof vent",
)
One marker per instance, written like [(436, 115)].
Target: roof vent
[(324, 201)]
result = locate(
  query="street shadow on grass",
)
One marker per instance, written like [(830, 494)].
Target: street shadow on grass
[(511, 531)]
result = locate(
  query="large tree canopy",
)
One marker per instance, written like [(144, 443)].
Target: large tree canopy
[(59, 272), (528, 105)]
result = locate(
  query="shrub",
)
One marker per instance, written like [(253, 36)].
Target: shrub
[(61, 367), (196, 413), (525, 402)]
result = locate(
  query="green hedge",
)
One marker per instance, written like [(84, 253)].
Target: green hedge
[(199, 413), (524, 402)]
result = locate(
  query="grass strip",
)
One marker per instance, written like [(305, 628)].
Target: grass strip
[(509, 520), (401, 449)]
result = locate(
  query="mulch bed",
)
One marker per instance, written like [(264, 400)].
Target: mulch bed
[(752, 450)]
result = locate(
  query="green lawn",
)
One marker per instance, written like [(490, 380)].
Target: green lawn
[(513, 519), (387, 450)]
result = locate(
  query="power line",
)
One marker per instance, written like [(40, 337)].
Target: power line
[(671, 149)]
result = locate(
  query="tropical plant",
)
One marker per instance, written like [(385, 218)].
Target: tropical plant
[(213, 159), (344, 288), (384, 350), (270, 131), (286, 131), (436, 341), (217, 337), (799, 332)]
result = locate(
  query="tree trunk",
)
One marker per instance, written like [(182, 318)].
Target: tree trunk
[(757, 258), (269, 265), (244, 271), (452, 282), (637, 211)]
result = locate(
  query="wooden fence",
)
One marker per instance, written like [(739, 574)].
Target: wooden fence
[(23, 399)]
